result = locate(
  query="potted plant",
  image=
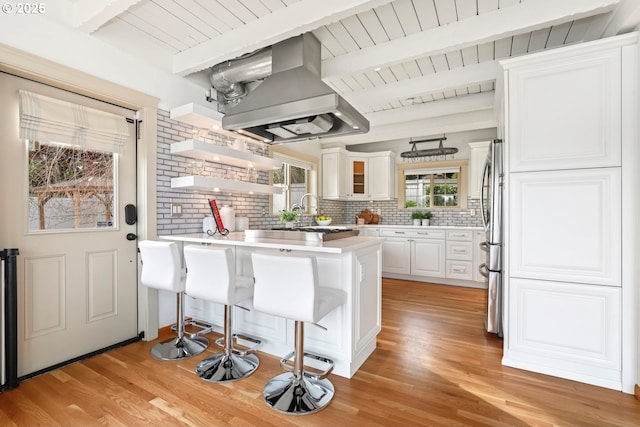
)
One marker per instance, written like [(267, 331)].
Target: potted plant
[(417, 217), (288, 217), (425, 218)]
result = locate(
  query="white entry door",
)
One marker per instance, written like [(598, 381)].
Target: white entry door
[(77, 276)]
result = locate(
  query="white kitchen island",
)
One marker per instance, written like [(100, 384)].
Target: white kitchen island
[(352, 264)]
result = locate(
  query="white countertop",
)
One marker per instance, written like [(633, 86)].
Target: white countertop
[(438, 227), (239, 239)]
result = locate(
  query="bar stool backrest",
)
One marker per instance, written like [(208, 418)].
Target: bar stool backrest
[(286, 285), (161, 266), (210, 273)]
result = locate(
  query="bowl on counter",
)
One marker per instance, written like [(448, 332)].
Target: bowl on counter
[(323, 222)]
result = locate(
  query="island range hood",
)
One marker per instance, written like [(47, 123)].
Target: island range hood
[(292, 103)]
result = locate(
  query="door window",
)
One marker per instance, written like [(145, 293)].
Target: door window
[(70, 188)]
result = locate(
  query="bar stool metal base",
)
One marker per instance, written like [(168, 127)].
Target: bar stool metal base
[(179, 348), (227, 368), (292, 396)]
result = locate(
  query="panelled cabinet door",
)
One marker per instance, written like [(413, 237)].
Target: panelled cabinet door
[(428, 257), (566, 112), (476, 167), (566, 225), (334, 175), (381, 178), (396, 256), (576, 326)]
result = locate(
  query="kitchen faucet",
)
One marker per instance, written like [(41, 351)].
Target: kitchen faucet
[(298, 207), (303, 207)]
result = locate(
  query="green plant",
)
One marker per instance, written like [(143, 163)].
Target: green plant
[(410, 204), (288, 216), (417, 215), (427, 215)]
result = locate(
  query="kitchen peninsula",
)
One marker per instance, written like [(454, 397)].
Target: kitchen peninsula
[(352, 264)]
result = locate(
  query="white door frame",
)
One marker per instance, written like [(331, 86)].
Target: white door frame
[(44, 71)]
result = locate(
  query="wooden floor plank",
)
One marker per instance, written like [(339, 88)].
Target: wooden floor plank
[(434, 366)]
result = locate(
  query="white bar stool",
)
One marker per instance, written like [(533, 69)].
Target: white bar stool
[(287, 286), (161, 269), (211, 277)]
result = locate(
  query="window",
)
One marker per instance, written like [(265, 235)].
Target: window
[(296, 177), (433, 185), (72, 162), (69, 188)]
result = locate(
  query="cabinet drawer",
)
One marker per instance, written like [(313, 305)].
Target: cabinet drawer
[(459, 270), (414, 233), (462, 235), (460, 250)]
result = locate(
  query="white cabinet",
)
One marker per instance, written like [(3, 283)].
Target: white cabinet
[(477, 159), (438, 255), (555, 122), (358, 176), (565, 225), (368, 231), (351, 329), (381, 176), (566, 271), (459, 255), (413, 252), (427, 258), (334, 174), (396, 255), (565, 329)]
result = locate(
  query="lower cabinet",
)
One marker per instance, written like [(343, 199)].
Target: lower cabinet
[(427, 258), (439, 255), (396, 256)]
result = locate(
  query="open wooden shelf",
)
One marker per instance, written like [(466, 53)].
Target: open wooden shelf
[(196, 149), (209, 185)]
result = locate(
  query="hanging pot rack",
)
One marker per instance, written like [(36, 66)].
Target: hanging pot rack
[(429, 152)]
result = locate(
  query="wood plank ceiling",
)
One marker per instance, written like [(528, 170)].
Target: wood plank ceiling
[(397, 61)]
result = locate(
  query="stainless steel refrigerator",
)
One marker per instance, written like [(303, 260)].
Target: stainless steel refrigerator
[(491, 211)]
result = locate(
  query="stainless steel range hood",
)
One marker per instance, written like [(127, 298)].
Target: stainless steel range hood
[(292, 103)]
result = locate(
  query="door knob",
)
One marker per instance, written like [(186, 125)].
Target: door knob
[(131, 236)]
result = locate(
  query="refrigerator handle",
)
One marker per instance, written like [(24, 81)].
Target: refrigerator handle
[(482, 268), (482, 201)]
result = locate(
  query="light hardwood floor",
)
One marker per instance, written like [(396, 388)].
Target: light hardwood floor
[(434, 366)]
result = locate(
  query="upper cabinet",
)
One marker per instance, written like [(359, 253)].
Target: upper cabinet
[(568, 110), (358, 176), (476, 167)]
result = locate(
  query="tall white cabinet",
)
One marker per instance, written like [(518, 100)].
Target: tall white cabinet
[(570, 233)]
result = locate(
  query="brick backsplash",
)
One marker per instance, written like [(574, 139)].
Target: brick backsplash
[(194, 205), (256, 207), (345, 212)]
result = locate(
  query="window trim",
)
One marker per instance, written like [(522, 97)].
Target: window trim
[(300, 160), (403, 169)]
